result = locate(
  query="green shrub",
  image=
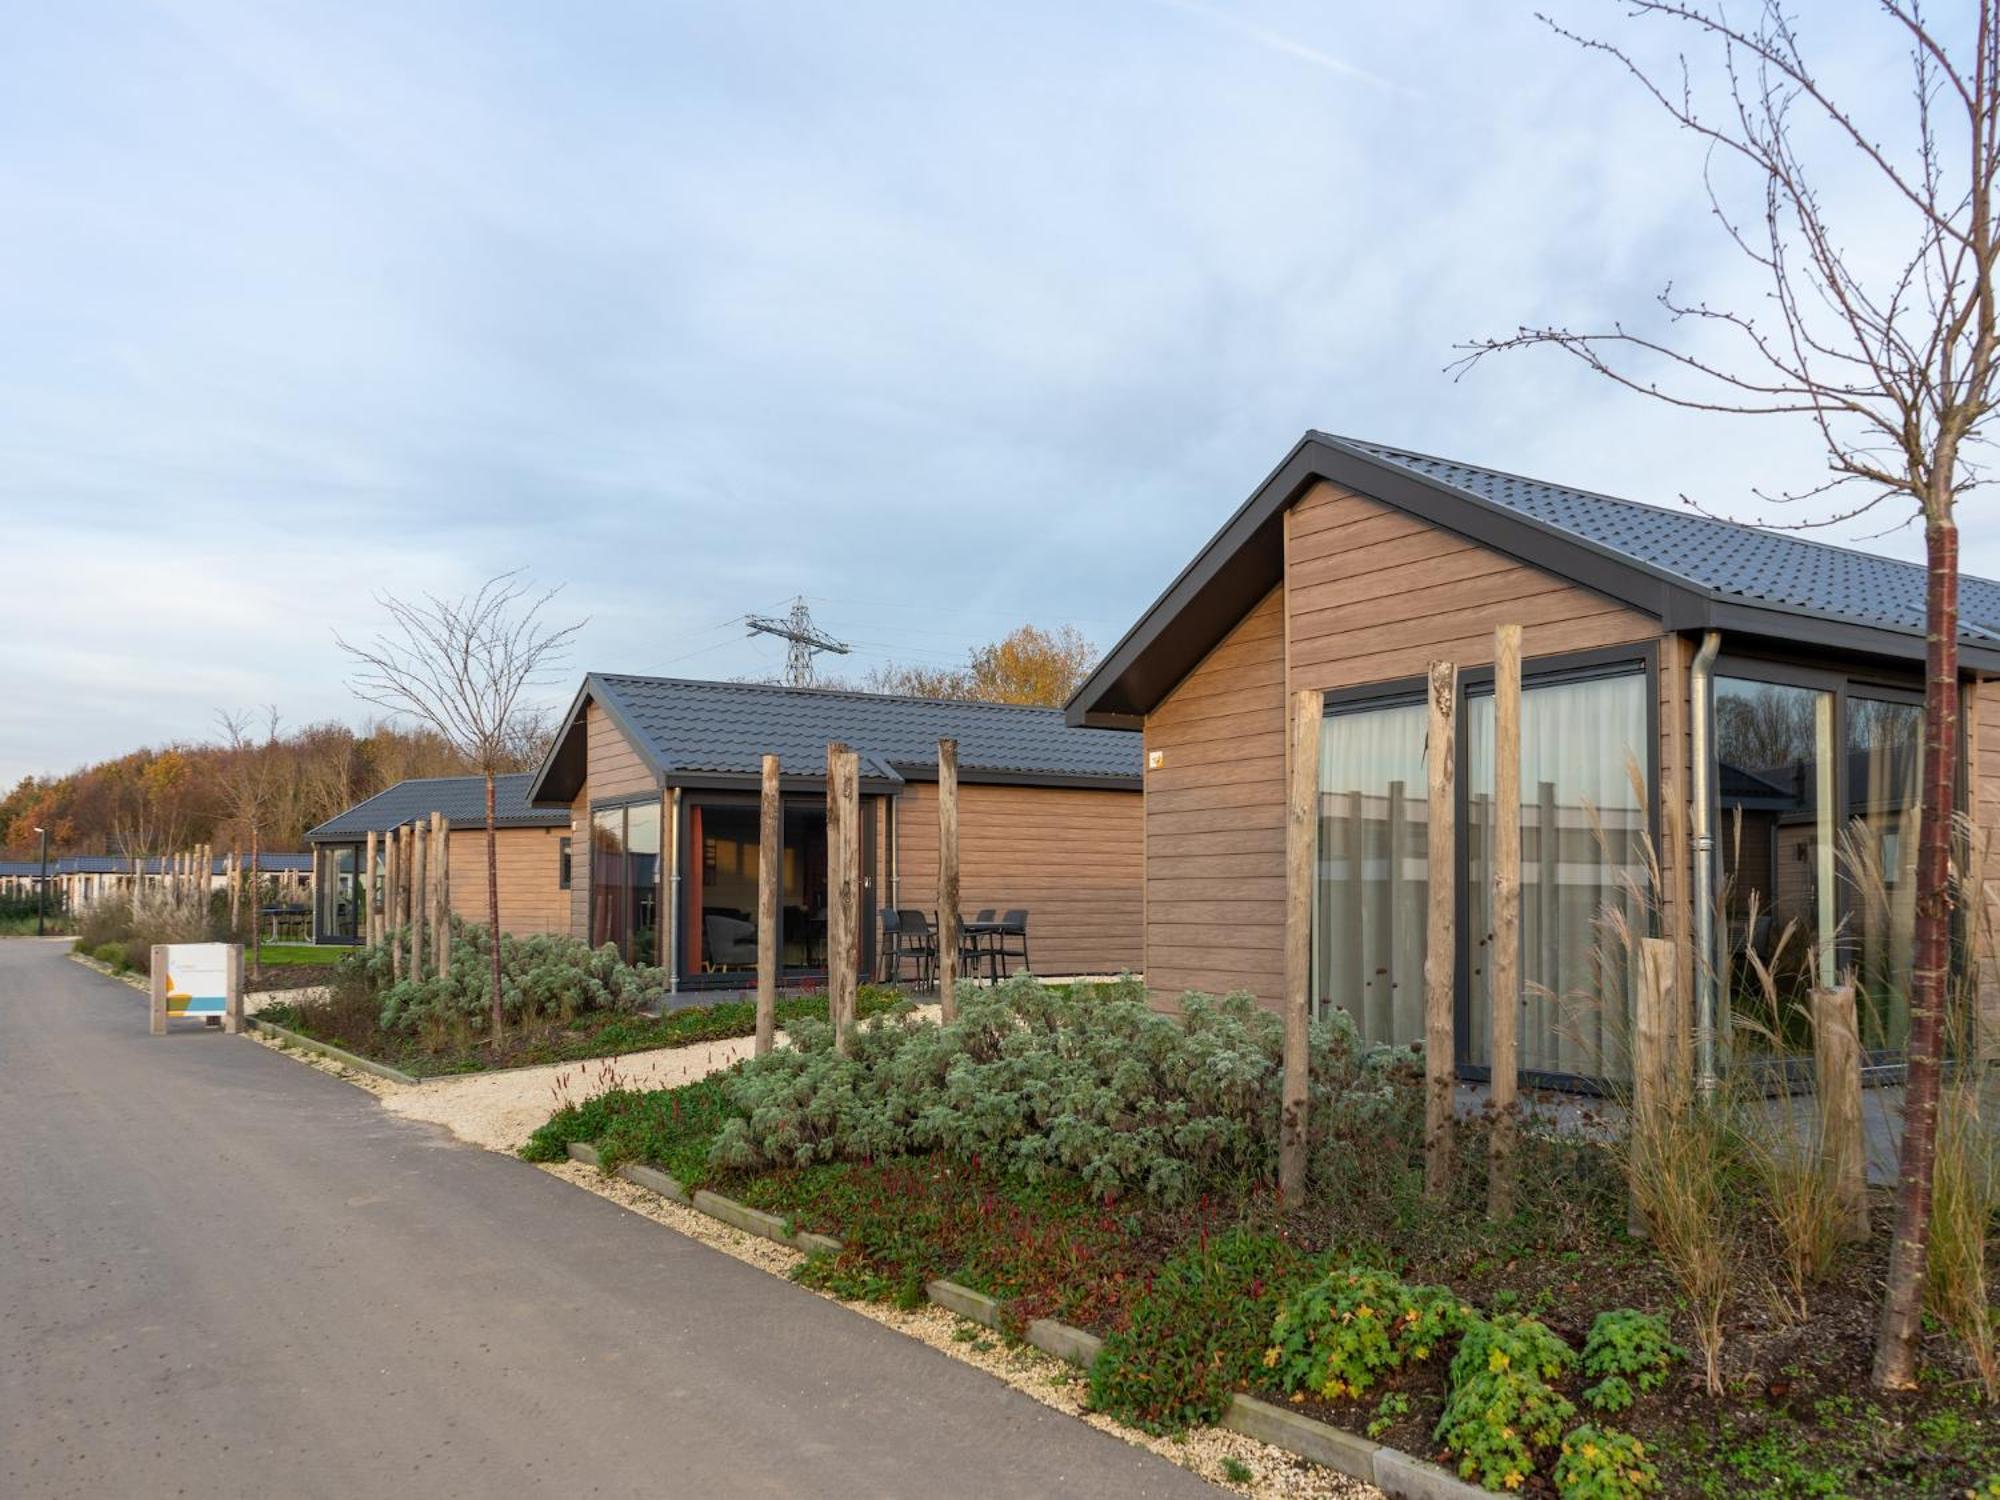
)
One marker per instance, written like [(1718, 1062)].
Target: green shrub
[(115, 955), (1089, 1081), (1340, 1334), (1193, 1335), (1602, 1463), (668, 1128), (1501, 1408), (1627, 1349)]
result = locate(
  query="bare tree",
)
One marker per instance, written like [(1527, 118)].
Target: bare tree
[(245, 785), (1891, 358), (462, 666)]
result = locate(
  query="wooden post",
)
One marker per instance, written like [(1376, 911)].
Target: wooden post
[(843, 857), (419, 895), (1440, 955), (391, 876), (770, 863), (441, 893), (369, 926), (1301, 875), (947, 891), (1652, 1049), (1837, 1061), (850, 893), (159, 972), (232, 1007), (1503, 962)]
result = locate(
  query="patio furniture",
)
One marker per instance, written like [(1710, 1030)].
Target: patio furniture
[(976, 944), (1010, 940), (918, 942)]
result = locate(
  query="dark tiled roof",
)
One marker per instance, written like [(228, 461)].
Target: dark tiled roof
[(727, 727), (462, 799), (1779, 570), (270, 861)]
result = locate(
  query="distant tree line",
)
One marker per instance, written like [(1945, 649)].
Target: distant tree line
[(171, 796), (1030, 665)]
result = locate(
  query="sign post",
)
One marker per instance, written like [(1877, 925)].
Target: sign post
[(198, 979)]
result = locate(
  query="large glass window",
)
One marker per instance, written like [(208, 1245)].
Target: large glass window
[(1885, 754), (1373, 870), (338, 882), (725, 848), (625, 880), (1775, 766), (1584, 826)]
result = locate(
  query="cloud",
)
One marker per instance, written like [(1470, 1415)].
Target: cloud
[(944, 319)]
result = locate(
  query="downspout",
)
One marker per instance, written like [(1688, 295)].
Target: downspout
[(1701, 696), (672, 923)]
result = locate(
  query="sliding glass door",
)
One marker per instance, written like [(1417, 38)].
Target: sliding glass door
[(1374, 870), (625, 880), (722, 858), (1585, 818), (1885, 760)]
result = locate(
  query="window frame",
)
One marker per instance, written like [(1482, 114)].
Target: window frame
[(622, 806), (1640, 659), (1844, 681)]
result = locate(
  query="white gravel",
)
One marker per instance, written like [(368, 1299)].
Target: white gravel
[(501, 1110)]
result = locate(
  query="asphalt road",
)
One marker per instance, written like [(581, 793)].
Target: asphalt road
[(225, 1274)]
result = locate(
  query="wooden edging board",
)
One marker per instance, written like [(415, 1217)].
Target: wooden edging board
[(327, 1049), (1389, 1469)]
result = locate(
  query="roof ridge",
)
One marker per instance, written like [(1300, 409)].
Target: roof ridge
[(827, 692), (1363, 447)]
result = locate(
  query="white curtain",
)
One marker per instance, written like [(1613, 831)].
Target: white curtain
[(1583, 829), (1373, 871)]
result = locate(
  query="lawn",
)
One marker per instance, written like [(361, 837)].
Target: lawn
[(1027, 1159), (286, 955)]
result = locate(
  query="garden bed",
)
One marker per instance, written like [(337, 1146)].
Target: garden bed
[(1187, 1286), (355, 1027)]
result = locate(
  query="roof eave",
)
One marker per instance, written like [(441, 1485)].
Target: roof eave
[(1121, 690)]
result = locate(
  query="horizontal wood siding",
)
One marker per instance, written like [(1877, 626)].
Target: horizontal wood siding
[(614, 767), (1376, 594), (531, 897), (1071, 856), (1215, 819)]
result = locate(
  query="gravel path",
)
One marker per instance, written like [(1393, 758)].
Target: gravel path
[(501, 1110)]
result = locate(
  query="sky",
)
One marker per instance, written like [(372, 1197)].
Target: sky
[(945, 316)]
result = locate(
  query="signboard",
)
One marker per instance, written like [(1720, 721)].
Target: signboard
[(197, 979), (202, 980)]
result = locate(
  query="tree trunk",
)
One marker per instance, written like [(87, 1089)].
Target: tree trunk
[(1903, 1297), (493, 906), (256, 911)]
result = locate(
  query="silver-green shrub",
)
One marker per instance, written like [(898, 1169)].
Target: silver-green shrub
[(542, 976), (1085, 1080)]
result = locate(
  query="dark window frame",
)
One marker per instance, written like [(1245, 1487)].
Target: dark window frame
[(1631, 659), (1844, 681), (623, 805)]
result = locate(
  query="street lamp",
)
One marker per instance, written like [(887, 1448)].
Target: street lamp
[(42, 889)]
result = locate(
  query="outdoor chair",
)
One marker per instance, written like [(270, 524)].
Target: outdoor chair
[(975, 947), (918, 942), (1010, 940)]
